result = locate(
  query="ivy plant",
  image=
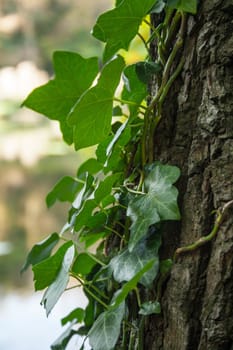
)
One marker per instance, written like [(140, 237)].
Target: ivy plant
[(120, 198)]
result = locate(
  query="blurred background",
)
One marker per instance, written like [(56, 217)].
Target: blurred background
[(33, 157)]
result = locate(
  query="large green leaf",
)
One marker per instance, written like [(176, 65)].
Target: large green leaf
[(64, 191), (158, 203), (55, 290), (106, 330), (119, 26), (92, 115), (127, 264), (47, 270), (73, 75), (183, 5), (41, 251)]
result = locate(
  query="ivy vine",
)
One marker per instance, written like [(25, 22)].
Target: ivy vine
[(110, 243)]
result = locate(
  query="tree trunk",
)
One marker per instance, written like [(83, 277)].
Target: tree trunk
[(196, 134)]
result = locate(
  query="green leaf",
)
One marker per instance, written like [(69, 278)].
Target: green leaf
[(90, 166), (157, 204), (62, 342), (84, 192), (130, 285), (73, 75), (127, 264), (41, 251), (91, 238), (183, 5), (84, 214), (119, 26), (83, 264), (46, 271), (158, 6), (134, 90), (92, 115), (105, 187), (65, 191), (145, 70), (55, 290), (76, 315), (105, 332), (149, 308)]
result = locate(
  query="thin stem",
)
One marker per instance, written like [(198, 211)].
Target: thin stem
[(95, 259), (95, 297), (113, 231), (138, 296), (128, 102), (144, 42)]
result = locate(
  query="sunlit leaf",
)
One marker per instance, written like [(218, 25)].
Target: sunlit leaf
[(92, 115), (119, 26), (41, 251), (83, 264), (47, 270), (158, 203), (55, 290), (106, 330), (73, 75)]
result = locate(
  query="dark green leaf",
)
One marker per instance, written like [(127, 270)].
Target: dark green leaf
[(84, 214), (183, 5), (46, 271), (55, 290), (126, 265), (165, 266), (145, 70), (83, 264), (41, 251), (64, 191), (63, 340), (119, 26), (158, 6), (92, 115), (157, 204), (73, 75), (76, 315), (130, 285), (91, 238), (106, 330), (117, 111), (149, 308)]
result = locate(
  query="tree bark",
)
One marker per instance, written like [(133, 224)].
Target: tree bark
[(196, 134)]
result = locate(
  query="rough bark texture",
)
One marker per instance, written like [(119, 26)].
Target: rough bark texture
[(196, 134)]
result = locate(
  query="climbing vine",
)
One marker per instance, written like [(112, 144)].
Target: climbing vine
[(119, 198)]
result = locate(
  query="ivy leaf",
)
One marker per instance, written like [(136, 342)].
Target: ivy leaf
[(119, 26), (134, 90), (64, 191), (105, 187), (158, 7), (41, 251), (46, 271), (149, 308), (55, 290), (127, 264), (90, 166), (83, 264), (157, 204), (183, 5), (92, 115), (73, 75), (76, 315), (62, 342), (105, 332), (145, 70), (130, 285)]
